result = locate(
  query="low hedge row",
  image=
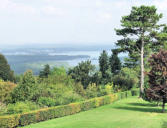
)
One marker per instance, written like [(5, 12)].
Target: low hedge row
[(60, 111)]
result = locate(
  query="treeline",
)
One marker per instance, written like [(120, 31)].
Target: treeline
[(57, 86), (111, 71)]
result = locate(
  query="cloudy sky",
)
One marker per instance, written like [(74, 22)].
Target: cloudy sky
[(65, 21)]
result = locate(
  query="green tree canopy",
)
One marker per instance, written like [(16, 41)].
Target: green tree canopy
[(115, 63), (45, 72), (139, 30), (104, 63), (82, 73), (26, 88), (157, 90), (5, 72)]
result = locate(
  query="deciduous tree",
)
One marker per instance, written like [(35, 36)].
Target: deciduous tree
[(5, 72), (157, 90), (82, 73), (25, 89)]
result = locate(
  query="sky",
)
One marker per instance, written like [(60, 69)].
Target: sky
[(66, 21)]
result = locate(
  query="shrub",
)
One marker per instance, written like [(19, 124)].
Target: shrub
[(26, 88), (109, 88), (123, 95), (71, 97), (101, 91), (75, 108), (135, 92), (27, 118), (3, 109), (21, 107), (5, 89), (59, 111), (88, 104), (128, 93), (122, 82), (9, 121), (91, 91), (46, 101), (78, 88), (131, 73)]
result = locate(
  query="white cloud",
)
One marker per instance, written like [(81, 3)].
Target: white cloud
[(104, 17), (69, 20), (7, 6), (50, 10)]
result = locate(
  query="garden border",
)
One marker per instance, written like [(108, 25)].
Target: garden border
[(12, 121)]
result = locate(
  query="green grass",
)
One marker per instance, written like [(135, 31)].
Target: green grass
[(127, 113)]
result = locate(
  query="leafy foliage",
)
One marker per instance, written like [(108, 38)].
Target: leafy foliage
[(139, 30), (21, 107), (115, 63), (59, 111), (5, 72), (82, 73), (26, 88), (45, 72), (5, 89), (157, 90), (104, 64)]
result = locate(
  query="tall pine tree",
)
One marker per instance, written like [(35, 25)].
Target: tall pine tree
[(138, 38)]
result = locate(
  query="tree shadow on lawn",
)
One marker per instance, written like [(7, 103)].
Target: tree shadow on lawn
[(164, 125), (143, 104), (140, 109)]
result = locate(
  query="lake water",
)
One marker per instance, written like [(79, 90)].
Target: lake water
[(35, 58)]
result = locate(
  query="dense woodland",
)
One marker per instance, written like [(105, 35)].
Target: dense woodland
[(142, 37)]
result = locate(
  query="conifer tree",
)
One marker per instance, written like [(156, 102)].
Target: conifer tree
[(104, 63), (115, 63), (138, 32), (45, 72)]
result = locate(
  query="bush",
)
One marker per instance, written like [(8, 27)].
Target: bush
[(5, 89), (9, 121), (78, 88), (86, 105), (131, 73), (25, 89), (59, 111), (27, 118), (46, 101), (21, 107), (135, 92), (122, 83), (71, 97), (91, 91)]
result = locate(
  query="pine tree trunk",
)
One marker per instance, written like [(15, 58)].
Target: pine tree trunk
[(163, 106), (142, 68)]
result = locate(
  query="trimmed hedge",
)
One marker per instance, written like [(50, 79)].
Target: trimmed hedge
[(60, 111)]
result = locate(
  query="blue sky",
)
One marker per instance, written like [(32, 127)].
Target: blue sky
[(65, 21)]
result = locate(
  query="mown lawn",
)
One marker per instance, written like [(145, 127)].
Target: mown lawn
[(127, 113)]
